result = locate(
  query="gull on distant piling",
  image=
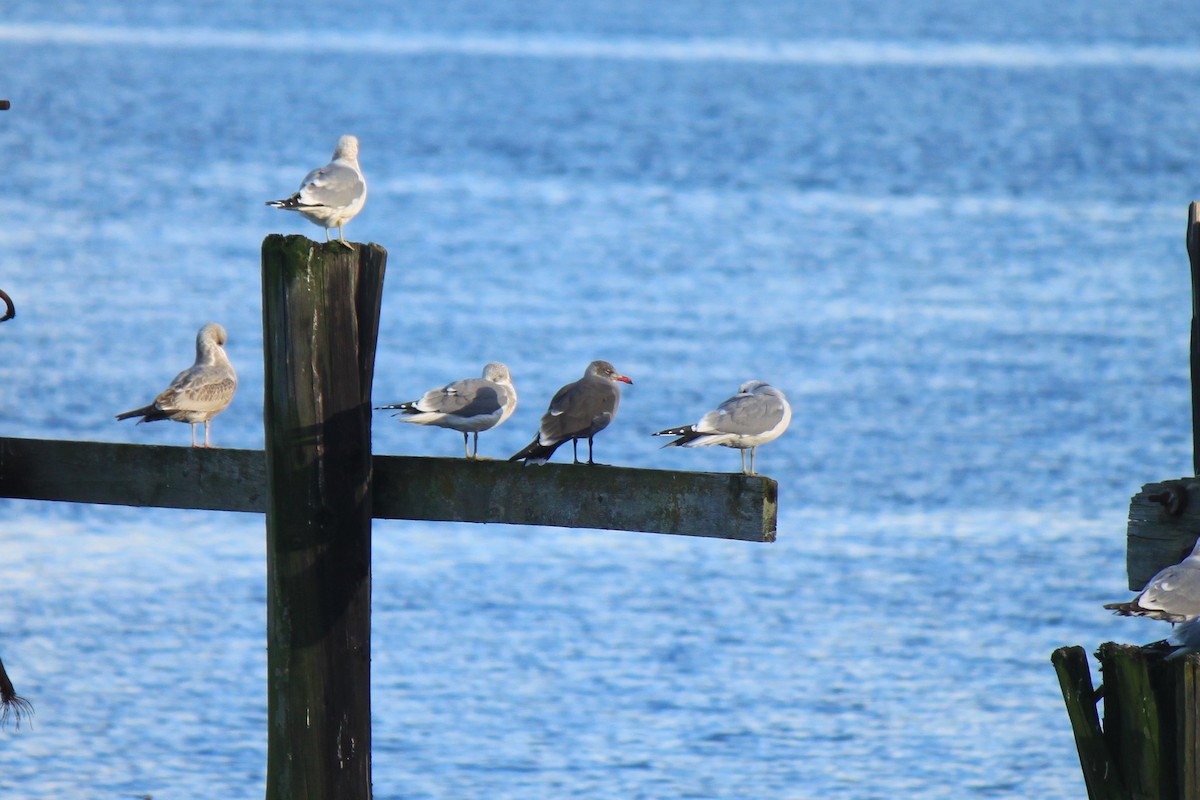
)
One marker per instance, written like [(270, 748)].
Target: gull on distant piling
[(332, 195), (1172, 595), (578, 410), (201, 391), (468, 406), (757, 414)]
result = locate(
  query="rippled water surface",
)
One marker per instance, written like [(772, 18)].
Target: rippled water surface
[(953, 237)]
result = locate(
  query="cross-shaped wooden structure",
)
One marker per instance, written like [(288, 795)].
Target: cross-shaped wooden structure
[(320, 486)]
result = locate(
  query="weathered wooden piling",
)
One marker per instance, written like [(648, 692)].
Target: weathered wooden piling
[(1164, 518), (1193, 249), (1075, 679), (320, 322), (1147, 746)]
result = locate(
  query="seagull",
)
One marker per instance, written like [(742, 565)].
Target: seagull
[(332, 195), (201, 391), (468, 406), (757, 414), (1172, 595), (578, 410)]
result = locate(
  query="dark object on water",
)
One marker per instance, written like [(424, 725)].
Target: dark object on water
[(11, 704), (5, 105), (10, 310)]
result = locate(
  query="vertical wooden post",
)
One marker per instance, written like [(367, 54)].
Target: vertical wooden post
[(1139, 719), (1193, 248), (320, 322), (1187, 729), (1100, 775)]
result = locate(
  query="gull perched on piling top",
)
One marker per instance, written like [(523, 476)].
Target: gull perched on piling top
[(1172, 595), (578, 410), (468, 406), (201, 391), (757, 414), (332, 195)]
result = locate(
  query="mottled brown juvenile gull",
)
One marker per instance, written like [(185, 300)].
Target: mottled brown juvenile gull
[(757, 414), (1172, 595), (332, 195), (201, 391), (468, 406), (578, 410)]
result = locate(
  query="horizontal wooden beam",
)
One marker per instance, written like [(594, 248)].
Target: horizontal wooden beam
[(1164, 519), (728, 506), (133, 474), (720, 505)]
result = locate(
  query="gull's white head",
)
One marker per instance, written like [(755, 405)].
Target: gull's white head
[(347, 147)]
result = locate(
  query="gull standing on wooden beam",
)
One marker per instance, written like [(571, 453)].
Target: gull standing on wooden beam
[(332, 195), (201, 391), (1172, 595), (578, 410), (757, 414), (467, 406)]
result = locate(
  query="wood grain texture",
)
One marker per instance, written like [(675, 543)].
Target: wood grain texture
[(1139, 720), (1146, 747), (1187, 726), (320, 317), (720, 505), (1099, 770), (133, 474), (730, 506), (1156, 538)]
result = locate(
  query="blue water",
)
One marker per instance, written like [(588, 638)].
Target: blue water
[(954, 237)]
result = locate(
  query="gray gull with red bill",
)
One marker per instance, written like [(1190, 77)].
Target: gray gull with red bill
[(332, 195), (467, 406), (577, 411), (201, 391), (757, 414)]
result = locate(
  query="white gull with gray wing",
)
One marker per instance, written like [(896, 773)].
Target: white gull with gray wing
[(757, 414), (469, 406), (332, 195), (1173, 595)]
